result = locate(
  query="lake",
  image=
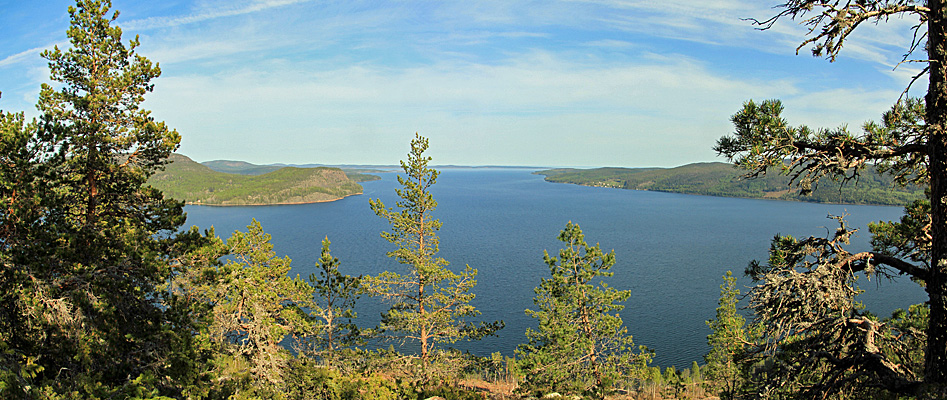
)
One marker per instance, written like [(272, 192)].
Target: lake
[(671, 249)]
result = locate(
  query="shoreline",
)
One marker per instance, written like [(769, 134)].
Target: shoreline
[(765, 197), (188, 203)]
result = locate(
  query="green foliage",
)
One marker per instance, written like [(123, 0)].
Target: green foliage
[(239, 167), (245, 168), (430, 302), (240, 305), (195, 260), (194, 183), (498, 368), (671, 377), (728, 342), (311, 381), (906, 336), (331, 310), (84, 240), (909, 238), (255, 306), (908, 145), (449, 392), (357, 176), (444, 366), (814, 337), (581, 346), (719, 179), (22, 184), (764, 140)]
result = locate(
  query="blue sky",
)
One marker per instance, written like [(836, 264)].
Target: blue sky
[(543, 83)]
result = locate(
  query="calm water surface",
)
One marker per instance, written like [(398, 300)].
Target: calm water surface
[(671, 249)]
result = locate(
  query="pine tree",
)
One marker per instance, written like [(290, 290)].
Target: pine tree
[(581, 345), (331, 309), (909, 144), (255, 307), (84, 238), (430, 302), (727, 342)]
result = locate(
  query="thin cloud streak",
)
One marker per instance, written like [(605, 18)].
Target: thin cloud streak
[(168, 22), (632, 83), (28, 55), (537, 94)]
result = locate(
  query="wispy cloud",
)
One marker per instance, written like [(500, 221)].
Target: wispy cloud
[(631, 109), (444, 85), (9, 60), (584, 82), (219, 11), (730, 23), (31, 54), (611, 43)]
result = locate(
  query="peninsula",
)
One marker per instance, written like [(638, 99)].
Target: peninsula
[(196, 183), (722, 179)]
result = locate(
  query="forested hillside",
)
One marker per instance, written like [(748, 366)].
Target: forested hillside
[(245, 168), (239, 167), (195, 183), (721, 179)]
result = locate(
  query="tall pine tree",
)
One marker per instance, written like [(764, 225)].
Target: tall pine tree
[(256, 306), (430, 302), (84, 239)]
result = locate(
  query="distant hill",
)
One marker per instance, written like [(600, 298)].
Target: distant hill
[(239, 167), (721, 179), (195, 183), (245, 168)]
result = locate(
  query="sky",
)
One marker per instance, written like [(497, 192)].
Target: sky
[(582, 83)]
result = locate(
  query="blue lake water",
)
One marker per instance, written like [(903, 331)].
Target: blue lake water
[(671, 249)]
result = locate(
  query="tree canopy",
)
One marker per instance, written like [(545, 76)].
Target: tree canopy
[(910, 143), (430, 303), (581, 345), (84, 243)]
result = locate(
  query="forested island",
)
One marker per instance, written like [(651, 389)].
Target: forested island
[(236, 183), (722, 179)]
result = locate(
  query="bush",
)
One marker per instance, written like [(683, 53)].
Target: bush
[(307, 379)]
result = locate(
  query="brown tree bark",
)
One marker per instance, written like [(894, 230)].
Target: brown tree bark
[(935, 371)]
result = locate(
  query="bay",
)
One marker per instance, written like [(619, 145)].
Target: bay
[(671, 249)]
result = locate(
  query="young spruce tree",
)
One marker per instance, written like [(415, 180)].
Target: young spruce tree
[(430, 302), (581, 346)]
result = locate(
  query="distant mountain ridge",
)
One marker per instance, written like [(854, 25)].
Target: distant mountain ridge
[(722, 179), (195, 183), (355, 173), (245, 168), (240, 167)]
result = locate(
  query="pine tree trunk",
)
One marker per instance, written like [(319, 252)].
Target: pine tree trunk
[(935, 371)]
